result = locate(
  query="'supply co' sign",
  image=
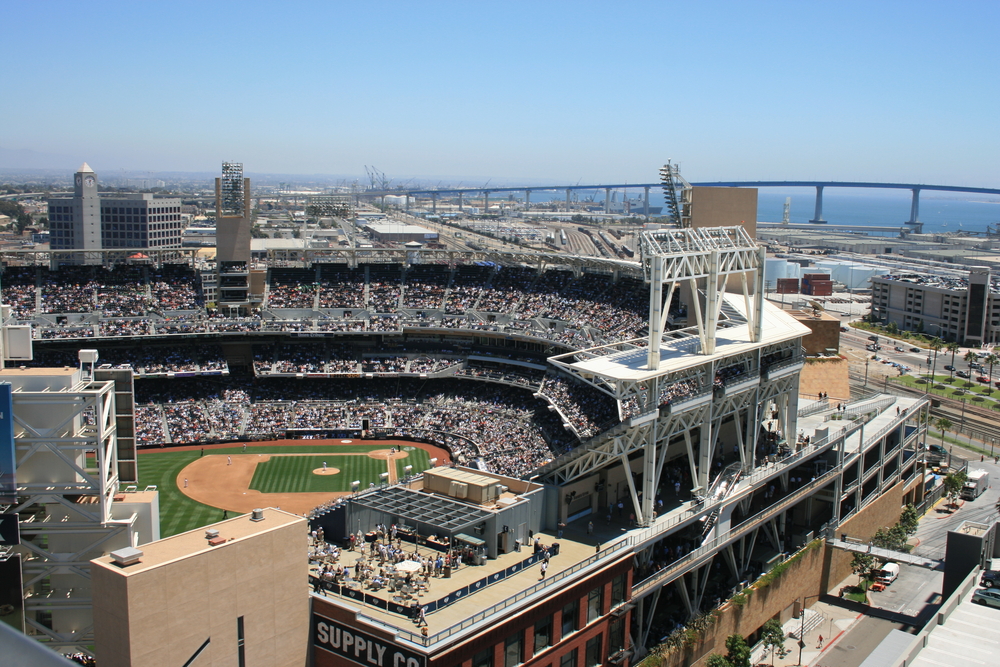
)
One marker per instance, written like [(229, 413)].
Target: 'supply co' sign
[(360, 647)]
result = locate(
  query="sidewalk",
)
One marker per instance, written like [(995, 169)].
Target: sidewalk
[(822, 619)]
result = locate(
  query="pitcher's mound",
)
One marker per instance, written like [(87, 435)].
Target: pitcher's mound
[(326, 471), (387, 454)]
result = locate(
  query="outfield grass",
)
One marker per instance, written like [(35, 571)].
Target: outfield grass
[(179, 514)]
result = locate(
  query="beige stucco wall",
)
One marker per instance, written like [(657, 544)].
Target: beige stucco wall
[(724, 207), (162, 614)]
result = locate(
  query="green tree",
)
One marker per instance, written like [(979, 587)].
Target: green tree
[(944, 425), (861, 565), (953, 484), (718, 660), (893, 537), (935, 344), (737, 651), (992, 359), (970, 358), (953, 347), (909, 519), (772, 636)]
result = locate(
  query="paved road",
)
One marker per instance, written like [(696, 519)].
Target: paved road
[(932, 532), (857, 643)]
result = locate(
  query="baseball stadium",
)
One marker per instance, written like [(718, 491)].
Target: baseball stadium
[(648, 410)]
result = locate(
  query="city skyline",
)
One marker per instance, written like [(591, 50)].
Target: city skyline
[(560, 92)]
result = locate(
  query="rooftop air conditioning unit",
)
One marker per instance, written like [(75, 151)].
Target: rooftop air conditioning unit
[(126, 556)]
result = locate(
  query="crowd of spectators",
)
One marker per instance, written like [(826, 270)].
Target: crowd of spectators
[(341, 287), (147, 360), (187, 423), (587, 410), (497, 427), (578, 311)]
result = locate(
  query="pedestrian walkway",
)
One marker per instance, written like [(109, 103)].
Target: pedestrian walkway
[(828, 621), (888, 554)]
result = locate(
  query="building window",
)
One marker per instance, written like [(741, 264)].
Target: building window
[(543, 634), (595, 604), (484, 658), (618, 590), (594, 657), (616, 636), (513, 649), (569, 660), (570, 614), (240, 643)]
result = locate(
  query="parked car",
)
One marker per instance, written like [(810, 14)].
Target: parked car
[(987, 596), (844, 329), (915, 349), (949, 367), (937, 451), (990, 579), (963, 374), (997, 384), (874, 338), (898, 349), (983, 378)]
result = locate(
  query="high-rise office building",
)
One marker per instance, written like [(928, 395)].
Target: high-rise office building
[(88, 221)]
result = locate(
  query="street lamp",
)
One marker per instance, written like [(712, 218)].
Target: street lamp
[(802, 630)]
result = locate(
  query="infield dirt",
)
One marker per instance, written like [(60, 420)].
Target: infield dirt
[(213, 481)]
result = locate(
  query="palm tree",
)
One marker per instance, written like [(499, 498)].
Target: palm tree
[(943, 424), (992, 359), (953, 347), (970, 358), (936, 344)]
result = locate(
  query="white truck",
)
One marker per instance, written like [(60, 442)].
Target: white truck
[(976, 482)]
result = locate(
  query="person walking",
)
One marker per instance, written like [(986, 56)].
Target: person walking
[(421, 616), (185, 482), (229, 460), (244, 448), (590, 527), (545, 566)]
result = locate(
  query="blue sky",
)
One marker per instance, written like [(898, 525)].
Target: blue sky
[(509, 91)]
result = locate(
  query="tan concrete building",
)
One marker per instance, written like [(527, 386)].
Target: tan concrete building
[(233, 593), (825, 336), (723, 207)]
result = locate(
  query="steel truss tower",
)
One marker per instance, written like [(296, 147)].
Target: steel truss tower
[(718, 363), (66, 441), (727, 363)]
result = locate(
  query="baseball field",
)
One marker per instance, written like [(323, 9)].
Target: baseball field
[(197, 485)]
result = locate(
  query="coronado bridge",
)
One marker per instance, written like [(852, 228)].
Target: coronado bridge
[(820, 186)]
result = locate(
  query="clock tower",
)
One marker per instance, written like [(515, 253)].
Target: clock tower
[(86, 226), (85, 182)]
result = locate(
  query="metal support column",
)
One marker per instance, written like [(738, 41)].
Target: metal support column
[(713, 302), (607, 200), (645, 202), (567, 200), (434, 202), (655, 319)]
